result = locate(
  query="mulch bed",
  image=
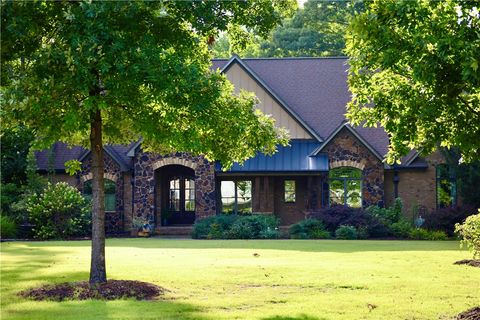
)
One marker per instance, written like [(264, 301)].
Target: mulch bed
[(470, 262), (111, 290), (472, 314)]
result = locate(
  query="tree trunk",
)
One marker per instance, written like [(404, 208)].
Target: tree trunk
[(97, 268)]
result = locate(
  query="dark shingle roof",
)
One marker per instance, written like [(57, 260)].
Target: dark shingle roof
[(60, 152), (315, 89)]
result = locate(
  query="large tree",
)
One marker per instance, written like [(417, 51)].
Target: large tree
[(414, 70), (114, 71), (316, 30)]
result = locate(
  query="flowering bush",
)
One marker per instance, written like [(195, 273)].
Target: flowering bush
[(59, 212), (470, 232)]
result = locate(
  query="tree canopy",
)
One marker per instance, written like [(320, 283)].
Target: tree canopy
[(118, 71), (316, 30), (414, 70), (145, 65)]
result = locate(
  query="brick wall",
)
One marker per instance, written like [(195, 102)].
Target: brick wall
[(417, 187)]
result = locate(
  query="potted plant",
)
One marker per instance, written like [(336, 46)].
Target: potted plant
[(144, 228)]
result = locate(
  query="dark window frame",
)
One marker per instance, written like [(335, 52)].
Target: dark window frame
[(345, 181), (289, 193), (182, 192), (448, 177), (105, 181), (236, 196)]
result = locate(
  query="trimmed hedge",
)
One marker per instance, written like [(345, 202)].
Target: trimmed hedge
[(231, 226), (309, 229), (346, 233)]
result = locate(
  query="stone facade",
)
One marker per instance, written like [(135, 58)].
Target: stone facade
[(145, 165), (114, 221), (346, 150)]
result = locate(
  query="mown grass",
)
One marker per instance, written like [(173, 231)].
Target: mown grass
[(289, 279)]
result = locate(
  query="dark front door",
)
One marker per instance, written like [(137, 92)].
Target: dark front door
[(176, 186), (181, 200)]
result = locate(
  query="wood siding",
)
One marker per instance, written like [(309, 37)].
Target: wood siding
[(241, 80)]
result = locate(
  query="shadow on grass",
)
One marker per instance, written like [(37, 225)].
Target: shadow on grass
[(338, 246), (300, 317), (25, 268), (96, 309)]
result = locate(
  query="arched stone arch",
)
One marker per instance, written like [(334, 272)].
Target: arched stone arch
[(89, 176), (347, 163), (172, 161)]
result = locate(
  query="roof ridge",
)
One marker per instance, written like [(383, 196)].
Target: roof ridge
[(285, 58)]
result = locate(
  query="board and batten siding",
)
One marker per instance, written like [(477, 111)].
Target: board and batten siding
[(242, 80)]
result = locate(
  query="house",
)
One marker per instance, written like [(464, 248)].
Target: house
[(328, 161)]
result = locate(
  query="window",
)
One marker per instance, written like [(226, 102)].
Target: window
[(446, 186), (189, 195), (110, 199), (346, 187), (174, 198), (289, 186), (181, 194), (236, 196)]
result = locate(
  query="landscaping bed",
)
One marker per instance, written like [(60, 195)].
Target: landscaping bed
[(471, 314), (111, 290), (470, 262)]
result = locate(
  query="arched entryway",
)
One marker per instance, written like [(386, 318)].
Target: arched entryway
[(175, 195)]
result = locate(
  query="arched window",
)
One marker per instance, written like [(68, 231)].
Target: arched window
[(110, 199), (345, 185)]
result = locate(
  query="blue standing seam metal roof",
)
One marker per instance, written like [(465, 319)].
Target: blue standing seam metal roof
[(293, 158)]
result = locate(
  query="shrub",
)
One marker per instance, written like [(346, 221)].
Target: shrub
[(470, 233), (309, 229), (8, 227), (387, 215), (346, 233), (253, 227), (362, 233), (424, 234), (335, 216), (59, 212), (233, 226), (9, 194), (446, 218), (202, 229), (401, 229)]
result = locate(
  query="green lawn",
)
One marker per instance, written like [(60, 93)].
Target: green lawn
[(290, 279)]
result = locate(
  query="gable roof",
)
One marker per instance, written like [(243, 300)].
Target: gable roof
[(315, 89), (354, 132), (272, 93)]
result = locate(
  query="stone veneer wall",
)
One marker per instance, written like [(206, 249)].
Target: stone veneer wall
[(145, 165), (346, 150), (113, 220)]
